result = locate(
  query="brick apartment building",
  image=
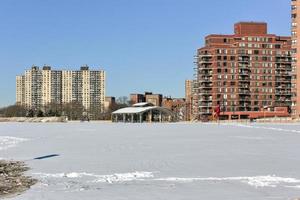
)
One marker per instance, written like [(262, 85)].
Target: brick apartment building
[(155, 99), (137, 98), (247, 74)]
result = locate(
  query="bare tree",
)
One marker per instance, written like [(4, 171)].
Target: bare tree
[(123, 100), (74, 110), (13, 111)]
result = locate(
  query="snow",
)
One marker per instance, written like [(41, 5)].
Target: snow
[(256, 181), (157, 161), (113, 178), (9, 142)]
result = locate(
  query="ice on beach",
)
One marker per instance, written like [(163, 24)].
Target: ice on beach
[(157, 161), (9, 142), (113, 178), (256, 181)]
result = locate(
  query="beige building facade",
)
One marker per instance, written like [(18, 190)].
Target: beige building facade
[(20, 90), (188, 99), (38, 88)]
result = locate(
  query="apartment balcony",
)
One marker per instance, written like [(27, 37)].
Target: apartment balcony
[(205, 93), (283, 73), (205, 69), (205, 56), (244, 92), (244, 86), (243, 54), (283, 69), (283, 99), (206, 99), (205, 105), (243, 61), (244, 79), (244, 73), (283, 87), (244, 69), (203, 61), (284, 61), (283, 55), (204, 89), (204, 86), (244, 99), (205, 79), (205, 73), (244, 66), (243, 58), (287, 93), (204, 64), (283, 80)]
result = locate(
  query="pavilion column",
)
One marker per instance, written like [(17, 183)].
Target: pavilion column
[(150, 116), (141, 117), (124, 118), (160, 116), (132, 118)]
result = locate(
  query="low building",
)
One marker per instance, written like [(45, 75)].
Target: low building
[(155, 99), (177, 106), (143, 112), (137, 98), (109, 103)]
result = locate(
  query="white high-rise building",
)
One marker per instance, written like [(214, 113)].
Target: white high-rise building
[(20, 90), (39, 88)]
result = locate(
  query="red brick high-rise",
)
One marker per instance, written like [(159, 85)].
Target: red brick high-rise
[(245, 74)]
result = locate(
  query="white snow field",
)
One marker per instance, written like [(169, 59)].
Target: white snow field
[(157, 161)]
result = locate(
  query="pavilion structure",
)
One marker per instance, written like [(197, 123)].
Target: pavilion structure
[(143, 112)]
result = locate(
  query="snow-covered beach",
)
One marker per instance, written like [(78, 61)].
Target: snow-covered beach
[(156, 161)]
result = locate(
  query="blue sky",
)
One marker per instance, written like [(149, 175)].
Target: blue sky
[(143, 45)]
